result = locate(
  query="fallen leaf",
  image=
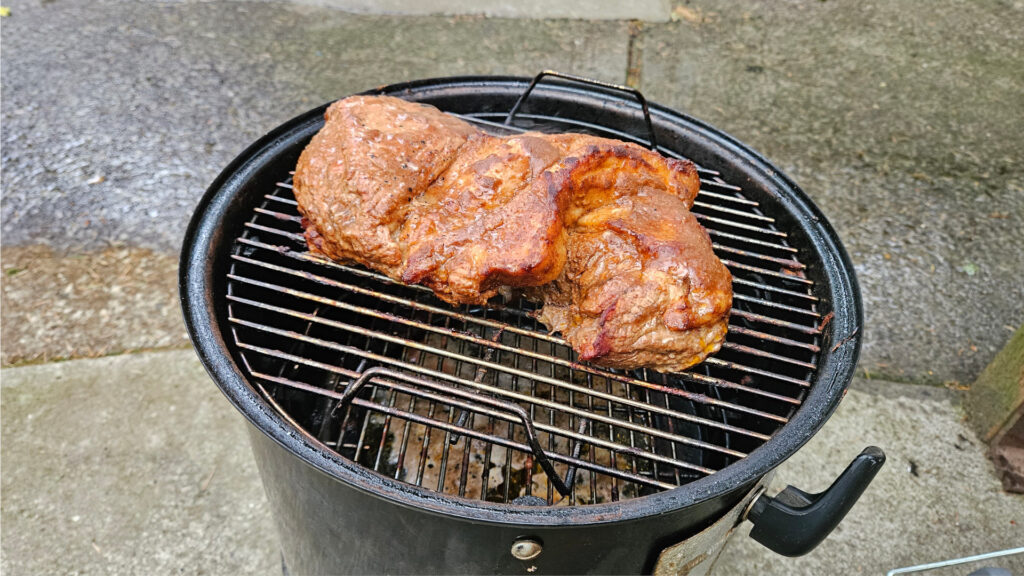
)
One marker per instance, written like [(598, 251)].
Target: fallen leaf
[(4, 11), (684, 13), (969, 268)]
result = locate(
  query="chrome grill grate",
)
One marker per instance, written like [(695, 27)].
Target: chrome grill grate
[(483, 403)]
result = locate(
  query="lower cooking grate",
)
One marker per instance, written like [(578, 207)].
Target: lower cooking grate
[(481, 402)]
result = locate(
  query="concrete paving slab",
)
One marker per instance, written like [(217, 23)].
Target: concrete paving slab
[(136, 464), (903, 123), (89, 304), (132, 464), (117, 115), (650, 10)]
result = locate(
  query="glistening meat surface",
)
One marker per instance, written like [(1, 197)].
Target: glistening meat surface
[(599, 230)]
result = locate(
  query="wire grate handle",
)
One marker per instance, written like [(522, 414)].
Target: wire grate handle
[(464, 400), (653, 144)]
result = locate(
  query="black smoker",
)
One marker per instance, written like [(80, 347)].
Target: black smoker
[(396, 434)]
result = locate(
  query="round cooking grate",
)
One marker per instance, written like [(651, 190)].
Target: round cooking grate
[(483, 403)]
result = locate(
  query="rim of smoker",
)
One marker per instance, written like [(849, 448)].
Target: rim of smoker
[(207, 247)]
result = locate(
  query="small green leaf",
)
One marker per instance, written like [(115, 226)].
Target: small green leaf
[(969, 268), (13, 271)]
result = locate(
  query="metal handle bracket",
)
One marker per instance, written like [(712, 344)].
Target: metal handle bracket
[(653, 144)]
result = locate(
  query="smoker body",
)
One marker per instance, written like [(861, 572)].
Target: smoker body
[(335, 515), (328, 526)]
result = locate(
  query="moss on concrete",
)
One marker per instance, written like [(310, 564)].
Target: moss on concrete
[(998, 394)]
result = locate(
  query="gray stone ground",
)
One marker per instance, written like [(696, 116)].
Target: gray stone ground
[(936, 498), (149, 472), (156, 98), (132, 464), (903, 124), (653, 10), (90, 304), (901, 121)]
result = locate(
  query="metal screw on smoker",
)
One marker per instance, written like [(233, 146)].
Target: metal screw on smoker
[(526, 549)]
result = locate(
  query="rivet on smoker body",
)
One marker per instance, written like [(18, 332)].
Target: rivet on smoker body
[(526, 549)]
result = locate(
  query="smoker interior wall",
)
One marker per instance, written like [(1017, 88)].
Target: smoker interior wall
[(328, 527)]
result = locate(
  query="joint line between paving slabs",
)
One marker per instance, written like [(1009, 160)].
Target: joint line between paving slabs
[(634, 54)]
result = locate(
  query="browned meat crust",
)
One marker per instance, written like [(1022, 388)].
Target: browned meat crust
[(356, 179), (599, 230)]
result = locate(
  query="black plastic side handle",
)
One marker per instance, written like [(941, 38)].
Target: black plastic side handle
[(794, 522)]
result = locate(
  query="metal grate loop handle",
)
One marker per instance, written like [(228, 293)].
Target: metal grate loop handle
[(653, 144), (517, 412)]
